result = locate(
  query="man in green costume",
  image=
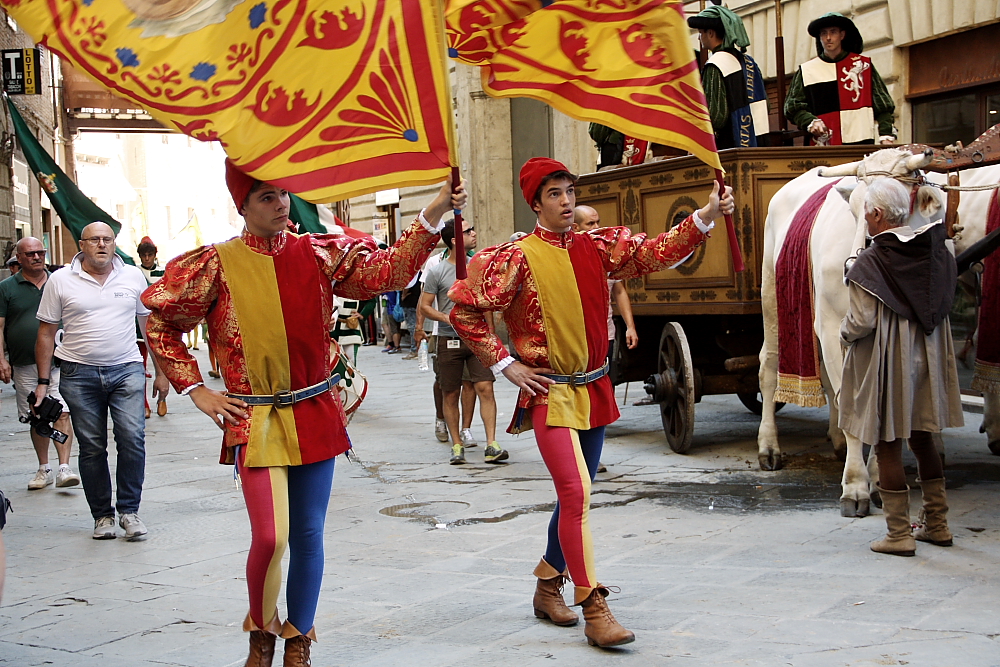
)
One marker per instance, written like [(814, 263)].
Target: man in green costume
[(838, 97)]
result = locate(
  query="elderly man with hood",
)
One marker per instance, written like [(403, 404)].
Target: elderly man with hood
[(838, 97), (733, 83), (900, 380)]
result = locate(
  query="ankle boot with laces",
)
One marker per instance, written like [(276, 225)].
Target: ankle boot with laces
[(602, 629), (261, 649), (297, 646), (548, 602)]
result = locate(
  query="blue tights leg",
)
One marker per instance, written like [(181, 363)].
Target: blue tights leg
[(308, 496)]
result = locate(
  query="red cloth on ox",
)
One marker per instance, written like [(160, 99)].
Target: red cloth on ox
[(987, 374), (798, 355)]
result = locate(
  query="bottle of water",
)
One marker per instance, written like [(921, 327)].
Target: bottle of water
[(422, 356)]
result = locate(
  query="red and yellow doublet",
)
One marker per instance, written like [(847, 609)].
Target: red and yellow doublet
[(549, 283), (268, 304)]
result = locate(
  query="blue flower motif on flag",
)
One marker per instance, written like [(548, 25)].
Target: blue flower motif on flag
[(258, 13), (203, 72), (127, 57)]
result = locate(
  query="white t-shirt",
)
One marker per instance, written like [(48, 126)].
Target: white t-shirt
[(98, 320)]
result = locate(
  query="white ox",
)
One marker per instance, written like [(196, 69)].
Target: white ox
[(838, 231)]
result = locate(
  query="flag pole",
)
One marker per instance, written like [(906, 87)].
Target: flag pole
[(460, 272), (734, 247)]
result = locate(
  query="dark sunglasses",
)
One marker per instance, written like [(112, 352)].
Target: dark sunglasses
[(35, 253), (469, 230)]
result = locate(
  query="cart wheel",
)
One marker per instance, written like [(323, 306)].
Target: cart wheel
[(754, 404), (677, 375)]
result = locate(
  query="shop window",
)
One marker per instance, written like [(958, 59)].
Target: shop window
[(957, 117), (945, 121)]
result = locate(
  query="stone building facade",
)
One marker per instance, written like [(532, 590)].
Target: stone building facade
[(23, 209)]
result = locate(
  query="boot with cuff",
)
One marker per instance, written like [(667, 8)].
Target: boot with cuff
[(548, 601)]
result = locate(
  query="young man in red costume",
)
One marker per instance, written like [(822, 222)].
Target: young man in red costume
[(553, 291), (267, 297)]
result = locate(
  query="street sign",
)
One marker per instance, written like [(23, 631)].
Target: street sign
[(22, 71)]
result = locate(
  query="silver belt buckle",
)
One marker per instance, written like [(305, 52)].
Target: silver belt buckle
[(284, 398), (577, 379)]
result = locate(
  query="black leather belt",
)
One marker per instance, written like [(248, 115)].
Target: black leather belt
[(579, 379), (286, 398)]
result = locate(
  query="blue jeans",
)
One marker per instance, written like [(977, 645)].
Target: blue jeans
[(90, 392)]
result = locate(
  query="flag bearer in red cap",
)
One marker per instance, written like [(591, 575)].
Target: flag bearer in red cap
[(552, 289), (268, 297)]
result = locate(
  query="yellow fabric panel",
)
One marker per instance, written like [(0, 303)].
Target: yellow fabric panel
[(566, 335), (254, 287), (581, 593)]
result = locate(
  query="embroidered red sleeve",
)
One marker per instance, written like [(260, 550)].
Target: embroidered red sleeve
[(628, 256), (361, 271), (178, 302), (495, 275)]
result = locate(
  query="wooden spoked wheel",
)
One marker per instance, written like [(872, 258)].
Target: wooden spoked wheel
[(676, 387)]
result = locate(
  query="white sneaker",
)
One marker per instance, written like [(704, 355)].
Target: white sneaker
[(441, 430), (42, 478), (104, 528), (132, 525), (66, 477), (467, 439)]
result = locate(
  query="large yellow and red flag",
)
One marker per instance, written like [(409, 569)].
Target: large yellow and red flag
[(326, 98), (627, 64)]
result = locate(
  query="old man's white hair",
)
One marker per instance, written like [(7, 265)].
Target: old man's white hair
[(889, 196)]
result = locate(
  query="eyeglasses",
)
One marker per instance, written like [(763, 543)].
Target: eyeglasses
[(469, 230), (34, 253), (98, 240)]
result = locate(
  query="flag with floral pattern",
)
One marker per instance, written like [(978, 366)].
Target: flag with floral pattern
[(326, 98), (626, 64)]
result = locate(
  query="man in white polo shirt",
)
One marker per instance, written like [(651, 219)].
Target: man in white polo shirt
[(97, 300)]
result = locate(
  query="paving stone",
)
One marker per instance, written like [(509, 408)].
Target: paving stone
[(718, 563)]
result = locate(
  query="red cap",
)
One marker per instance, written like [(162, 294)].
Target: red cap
[(146, 239), (239, 184), (534, 172)]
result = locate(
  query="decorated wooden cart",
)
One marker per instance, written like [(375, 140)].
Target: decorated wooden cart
[(700, 326)]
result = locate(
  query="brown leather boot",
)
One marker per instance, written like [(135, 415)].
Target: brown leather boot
[(297, 646), (262, 641), (602, 629), (549, 602), (899, 539), (935, 514), (261, 649)]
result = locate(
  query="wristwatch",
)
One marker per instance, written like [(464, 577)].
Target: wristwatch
[(44, 381)]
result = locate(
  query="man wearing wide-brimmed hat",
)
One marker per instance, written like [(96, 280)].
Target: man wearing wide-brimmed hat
[(838, 97), (733, 83)]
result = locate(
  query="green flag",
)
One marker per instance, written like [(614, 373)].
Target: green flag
[(74, 207), (305, 214)]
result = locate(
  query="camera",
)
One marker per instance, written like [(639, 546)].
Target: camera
[(43, 415)]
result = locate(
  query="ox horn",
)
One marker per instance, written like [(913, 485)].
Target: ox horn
[(849, 169), (920, 160)]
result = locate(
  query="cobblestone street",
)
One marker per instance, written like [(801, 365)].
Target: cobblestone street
[(429, 564)]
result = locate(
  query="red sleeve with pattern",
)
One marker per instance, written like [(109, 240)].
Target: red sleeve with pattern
[(628, 256), (495, 276), (361, 271), (179, 301)]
